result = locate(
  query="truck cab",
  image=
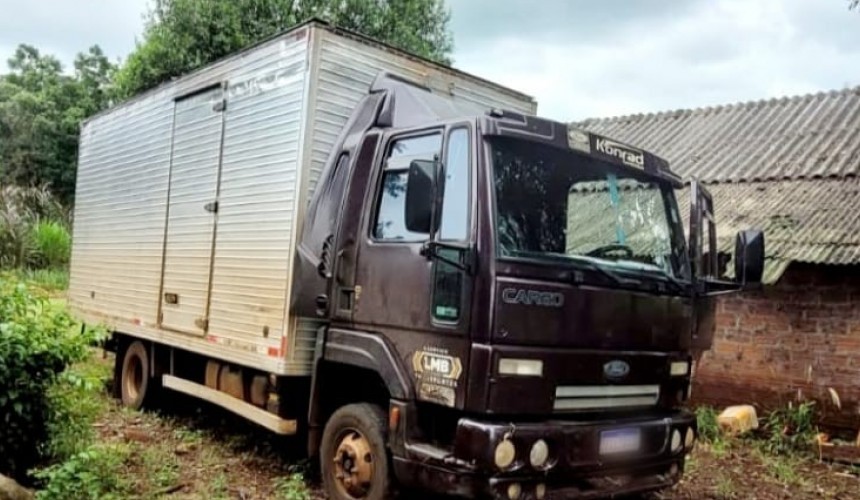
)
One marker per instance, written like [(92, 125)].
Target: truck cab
[(510, 306)]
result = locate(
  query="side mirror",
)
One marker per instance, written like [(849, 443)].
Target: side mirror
[(749, 257), (421, 191)]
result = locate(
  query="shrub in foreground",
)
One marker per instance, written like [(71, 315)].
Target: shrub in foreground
[(37, 342)]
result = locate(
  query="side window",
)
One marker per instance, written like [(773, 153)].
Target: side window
[(448, 280), (390, 216), (455, 204)]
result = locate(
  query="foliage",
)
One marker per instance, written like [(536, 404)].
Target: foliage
[(45, 281), (32, 228), (75, 400), (37, 343), (95, 473), (292, 487), (709, 428), (182, 35), (790, 428), (52, 244), (40, 110)]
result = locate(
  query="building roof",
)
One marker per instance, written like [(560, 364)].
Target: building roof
[(789, 166)]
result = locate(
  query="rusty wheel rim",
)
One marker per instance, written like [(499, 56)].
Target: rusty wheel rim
[(353, 464)]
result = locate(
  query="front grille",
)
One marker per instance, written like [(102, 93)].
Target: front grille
[(597, 397)]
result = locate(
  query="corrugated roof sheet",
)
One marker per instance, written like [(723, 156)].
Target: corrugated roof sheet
[(815, 221), (799, 137)]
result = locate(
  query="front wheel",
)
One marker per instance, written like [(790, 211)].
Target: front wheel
[(354, 458)]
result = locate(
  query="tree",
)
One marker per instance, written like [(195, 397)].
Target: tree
[(182, 35), (40, 112)]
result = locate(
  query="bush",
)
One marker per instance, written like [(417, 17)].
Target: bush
[(20, 211), (95, 473), (51, 245), (37, 342)]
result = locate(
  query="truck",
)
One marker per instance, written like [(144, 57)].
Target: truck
[(402, 265)]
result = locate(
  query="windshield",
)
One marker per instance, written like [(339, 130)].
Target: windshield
[(553, 204)]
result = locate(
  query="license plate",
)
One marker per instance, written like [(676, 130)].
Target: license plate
[(620, 441)]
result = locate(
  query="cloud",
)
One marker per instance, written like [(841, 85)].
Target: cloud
[(579, 58), (704, 54), (65, 27)]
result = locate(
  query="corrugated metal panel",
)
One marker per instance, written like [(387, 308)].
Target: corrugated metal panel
[(799, 137), (190, 227), (119, 211), (346, 68), (258, 183)]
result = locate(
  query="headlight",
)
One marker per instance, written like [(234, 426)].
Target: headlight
[(676, 441), (690, 439), (679, 368), (524, 367), (539, 454), (505, 454)]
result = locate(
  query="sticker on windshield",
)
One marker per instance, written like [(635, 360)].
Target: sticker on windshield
[(629, 156)]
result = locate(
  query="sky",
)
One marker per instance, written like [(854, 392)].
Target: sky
[(578, 58)]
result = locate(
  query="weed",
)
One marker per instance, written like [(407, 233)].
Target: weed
[(95, 473), (188, 435), (292, 487), (791, 428), (725, 488), (51, 245), (709, 428), (218, 489), (161, 466), (75, 401)]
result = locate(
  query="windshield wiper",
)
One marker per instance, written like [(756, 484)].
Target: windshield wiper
[(579, 262), (659, 272)]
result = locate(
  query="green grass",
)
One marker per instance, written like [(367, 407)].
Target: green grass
[(725, 487), (291, 487), (47, 281)]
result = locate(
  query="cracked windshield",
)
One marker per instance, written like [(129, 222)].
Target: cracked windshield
[(558, 205)]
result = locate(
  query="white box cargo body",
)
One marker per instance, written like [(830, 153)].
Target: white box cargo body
[(190, 197)]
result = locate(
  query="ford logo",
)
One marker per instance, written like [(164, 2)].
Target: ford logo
[(616, 369)]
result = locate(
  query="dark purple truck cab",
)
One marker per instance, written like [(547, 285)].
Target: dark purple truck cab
[(512, 307)]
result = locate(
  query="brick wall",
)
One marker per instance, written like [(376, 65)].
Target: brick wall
[(798, 337)]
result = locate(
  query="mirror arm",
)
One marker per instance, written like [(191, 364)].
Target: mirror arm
[(429, 248)]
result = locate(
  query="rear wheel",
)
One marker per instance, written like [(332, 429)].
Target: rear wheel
[(354, 458), (135, 382)]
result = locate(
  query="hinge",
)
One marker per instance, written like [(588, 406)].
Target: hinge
[(211, 207), (220, 106), (202, 323)]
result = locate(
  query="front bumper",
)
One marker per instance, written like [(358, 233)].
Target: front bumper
[(576, 468)]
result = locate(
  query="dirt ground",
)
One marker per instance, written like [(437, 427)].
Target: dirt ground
[(186, 450)]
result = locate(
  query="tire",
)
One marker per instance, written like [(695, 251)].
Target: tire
[(363, 428), (135, 380)]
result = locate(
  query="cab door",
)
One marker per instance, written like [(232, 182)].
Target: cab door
[(419, 304), (705, 264)]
